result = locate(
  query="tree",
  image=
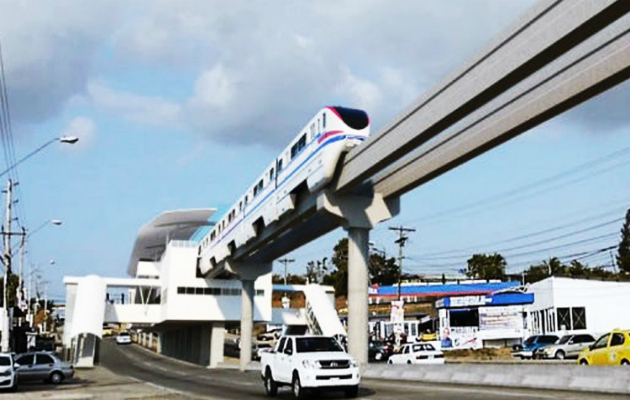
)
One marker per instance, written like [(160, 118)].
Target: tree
[(484, 266), (383, 271), (623, 252)]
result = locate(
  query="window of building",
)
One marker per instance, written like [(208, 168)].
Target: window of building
[(260, 292), (617, 339), (579, 317), (181, 290), (464, 317), (564, 318)]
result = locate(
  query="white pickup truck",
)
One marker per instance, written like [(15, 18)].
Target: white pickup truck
[(309, 362)]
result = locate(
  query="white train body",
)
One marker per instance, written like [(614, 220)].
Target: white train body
[(310, 159)]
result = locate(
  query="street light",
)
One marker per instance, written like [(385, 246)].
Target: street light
[(6, 231), (62, 139)]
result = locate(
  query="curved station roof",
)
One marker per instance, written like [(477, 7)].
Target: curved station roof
[(170, 225)]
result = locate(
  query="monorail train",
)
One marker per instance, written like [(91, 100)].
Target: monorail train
[(309, 160)]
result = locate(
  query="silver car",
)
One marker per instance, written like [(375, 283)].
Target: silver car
[(569, 346), (43, 366)]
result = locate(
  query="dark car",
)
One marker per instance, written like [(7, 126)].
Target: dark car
[(532, 343), (43, 366), (379, 350)]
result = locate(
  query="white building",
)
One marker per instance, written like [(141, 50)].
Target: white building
[(167, 296), (187, 312), (565, 305)]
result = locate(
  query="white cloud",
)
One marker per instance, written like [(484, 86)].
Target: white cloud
[(145, 109), (254, 71)]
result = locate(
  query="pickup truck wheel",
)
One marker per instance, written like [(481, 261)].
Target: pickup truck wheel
[(271, 387), (296, 386), (560, 355), (352, 392)]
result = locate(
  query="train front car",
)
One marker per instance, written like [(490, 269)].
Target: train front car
[(344, 128)]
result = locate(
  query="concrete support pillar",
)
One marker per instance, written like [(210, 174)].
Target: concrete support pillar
[(358, 239), (160, 338), (151, 340), (357, 215), (217, 340), (247, 323)]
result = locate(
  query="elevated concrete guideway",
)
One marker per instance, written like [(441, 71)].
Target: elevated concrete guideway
[(559, 54)]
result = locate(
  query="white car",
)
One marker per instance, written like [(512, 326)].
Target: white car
[(309, 363), (123, 338), (8, 374), (417, 353)]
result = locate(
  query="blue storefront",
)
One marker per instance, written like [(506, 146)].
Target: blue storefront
[(489, 320)]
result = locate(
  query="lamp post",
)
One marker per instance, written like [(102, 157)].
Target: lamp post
[(20, 292), (6, 232), (62, 139)]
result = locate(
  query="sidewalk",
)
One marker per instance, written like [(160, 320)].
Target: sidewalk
[(96, 384)]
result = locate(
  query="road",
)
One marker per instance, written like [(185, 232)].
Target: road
[(197, 381)]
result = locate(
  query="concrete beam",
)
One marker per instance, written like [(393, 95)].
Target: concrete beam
[(596, 65), (543, 35)]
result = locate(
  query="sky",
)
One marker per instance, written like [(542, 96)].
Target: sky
[(181, 105)]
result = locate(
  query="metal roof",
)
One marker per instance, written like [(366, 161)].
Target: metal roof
[(170, 225)]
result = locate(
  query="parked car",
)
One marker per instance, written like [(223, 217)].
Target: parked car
[(107, 330), (612, 348), (259, 348), (43, 366), (379, 350), (270, 335), (8, 374), (526, 350), (417, 353), (569, 346), (123, 338)]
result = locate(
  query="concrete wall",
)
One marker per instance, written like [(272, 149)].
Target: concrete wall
[(559, 377), (190, 343), (178, 269)]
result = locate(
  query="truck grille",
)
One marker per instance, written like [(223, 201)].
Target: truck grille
[(327, 378), (334, 364)]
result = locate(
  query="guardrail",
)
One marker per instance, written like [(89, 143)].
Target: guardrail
[(614, 380)]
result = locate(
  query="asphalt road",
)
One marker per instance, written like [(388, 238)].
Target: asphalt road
[(197, 381)]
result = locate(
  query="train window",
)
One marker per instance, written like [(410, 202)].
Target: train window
[(246, 200), (271, 174), (240, 205), (313, 129), (280, 165), (324, 120), (297, 147)]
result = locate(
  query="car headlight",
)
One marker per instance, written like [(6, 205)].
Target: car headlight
[(310, 364), (353, 364)]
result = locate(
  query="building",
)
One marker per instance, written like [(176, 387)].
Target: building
[(477, 321), (566, 305)]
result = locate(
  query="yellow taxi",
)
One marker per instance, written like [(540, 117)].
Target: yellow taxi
[(611, 349)]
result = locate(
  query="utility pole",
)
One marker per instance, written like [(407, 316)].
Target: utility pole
[(612, 261), (286, 261), (402, 238), (6, 233)]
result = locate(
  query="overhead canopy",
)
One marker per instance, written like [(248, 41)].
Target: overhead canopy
[(170, 225)]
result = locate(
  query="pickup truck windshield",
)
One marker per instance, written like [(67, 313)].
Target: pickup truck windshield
[(313, 344)]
